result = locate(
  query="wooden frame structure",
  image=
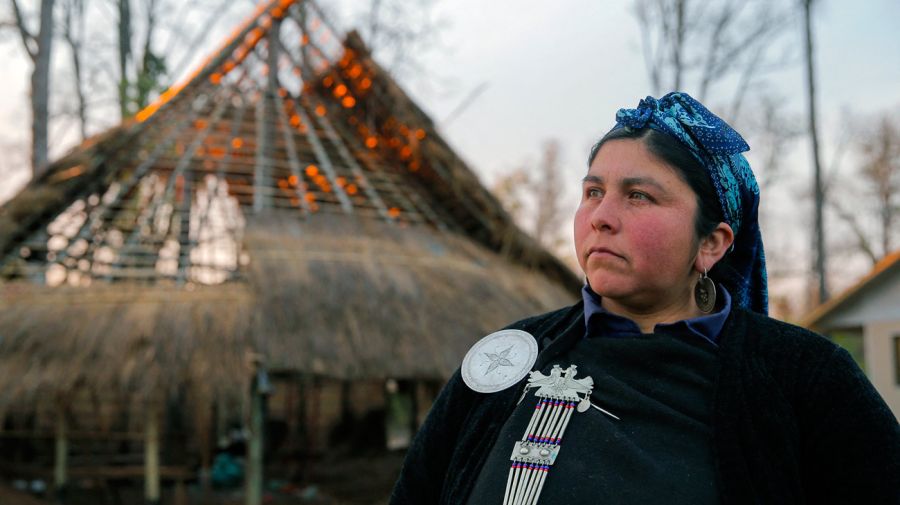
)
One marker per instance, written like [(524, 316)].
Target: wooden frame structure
[(286, 209)]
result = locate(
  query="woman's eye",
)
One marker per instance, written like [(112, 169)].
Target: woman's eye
[(638, 195)]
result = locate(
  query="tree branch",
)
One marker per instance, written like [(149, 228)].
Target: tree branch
[(744, 83), (28, 39), (643, 17), (850, 218)]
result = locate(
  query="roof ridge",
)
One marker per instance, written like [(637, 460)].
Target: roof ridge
[(884, 264)]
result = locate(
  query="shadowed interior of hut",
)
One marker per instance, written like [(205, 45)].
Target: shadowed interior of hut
[(312, 426)]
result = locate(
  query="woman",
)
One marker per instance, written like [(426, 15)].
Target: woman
[(700, 398)]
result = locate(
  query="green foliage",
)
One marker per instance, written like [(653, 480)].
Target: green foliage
[(149, 79)]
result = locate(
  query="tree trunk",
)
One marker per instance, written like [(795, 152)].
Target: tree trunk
[(79, 91), (40, 90), (819, 239), (678, 47), (75, 15), (124, 55)]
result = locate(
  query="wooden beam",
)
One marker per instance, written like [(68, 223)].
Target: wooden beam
[(350, 162), (265, 123), (261, 178), (293, 159), (323, 159)]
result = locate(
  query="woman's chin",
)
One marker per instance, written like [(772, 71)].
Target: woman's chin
[(608, 287)]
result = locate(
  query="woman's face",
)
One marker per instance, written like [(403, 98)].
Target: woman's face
[(634, 229)]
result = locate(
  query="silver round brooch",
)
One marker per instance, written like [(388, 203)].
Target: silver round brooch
[(499, 360)]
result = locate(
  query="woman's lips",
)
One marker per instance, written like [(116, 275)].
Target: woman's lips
[(602, 252)]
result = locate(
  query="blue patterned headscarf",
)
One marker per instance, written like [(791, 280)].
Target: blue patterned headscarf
[(719, 148)]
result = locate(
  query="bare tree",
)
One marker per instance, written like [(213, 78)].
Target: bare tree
[(533, 195), (73, 34), (725, 49), (882, 170), (699, 46), (510, 189), (38, 47), (879, 175), (400, 31), (153, 65), (124, 46), (140, 71), (774, 129), (547, 189)]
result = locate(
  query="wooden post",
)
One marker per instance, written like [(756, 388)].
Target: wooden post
[(346, 403), (207, 442), (290, 407), (303, 431), (151, 458), (254, 452), (414, 402), (254, 468), (60, 461), (314, 439)]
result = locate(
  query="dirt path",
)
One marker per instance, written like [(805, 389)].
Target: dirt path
[(9, 496)]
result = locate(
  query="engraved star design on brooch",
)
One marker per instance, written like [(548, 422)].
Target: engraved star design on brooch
[(498, 359)]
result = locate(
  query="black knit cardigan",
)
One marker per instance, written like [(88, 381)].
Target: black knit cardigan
[(794, 421)]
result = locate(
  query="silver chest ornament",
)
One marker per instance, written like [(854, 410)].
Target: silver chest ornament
[(502, 359), (499, 360), (559, 394)]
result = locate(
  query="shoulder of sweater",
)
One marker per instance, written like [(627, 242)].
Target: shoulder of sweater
[(771, 331), (808, 369), (541, 322), (775, 340)]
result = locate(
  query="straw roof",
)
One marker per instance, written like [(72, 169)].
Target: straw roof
[(375, 300), (125, 344), (288, 203)]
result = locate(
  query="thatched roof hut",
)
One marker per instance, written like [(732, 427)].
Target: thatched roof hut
[(287, 204)]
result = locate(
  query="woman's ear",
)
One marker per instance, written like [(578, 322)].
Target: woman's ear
[(713, 247)]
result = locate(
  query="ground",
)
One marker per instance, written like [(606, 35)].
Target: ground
[(346, 481)]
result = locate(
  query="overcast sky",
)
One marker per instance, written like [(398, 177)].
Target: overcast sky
[(561, 70)]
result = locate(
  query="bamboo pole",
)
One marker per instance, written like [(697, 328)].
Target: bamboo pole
[(151, 458)]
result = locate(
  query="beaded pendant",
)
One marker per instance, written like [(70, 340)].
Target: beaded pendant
[(559, 395)]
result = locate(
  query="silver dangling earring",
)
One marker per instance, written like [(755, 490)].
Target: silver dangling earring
[(705, 293)]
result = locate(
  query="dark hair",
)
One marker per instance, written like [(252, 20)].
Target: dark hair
[(673, 153)]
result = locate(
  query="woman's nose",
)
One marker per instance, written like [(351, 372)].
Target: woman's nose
[(605, 215)]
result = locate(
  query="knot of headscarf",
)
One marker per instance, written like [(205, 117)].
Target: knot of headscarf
[(718, 147)]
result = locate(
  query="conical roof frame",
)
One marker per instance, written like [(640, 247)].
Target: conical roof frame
[(311, 217)]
